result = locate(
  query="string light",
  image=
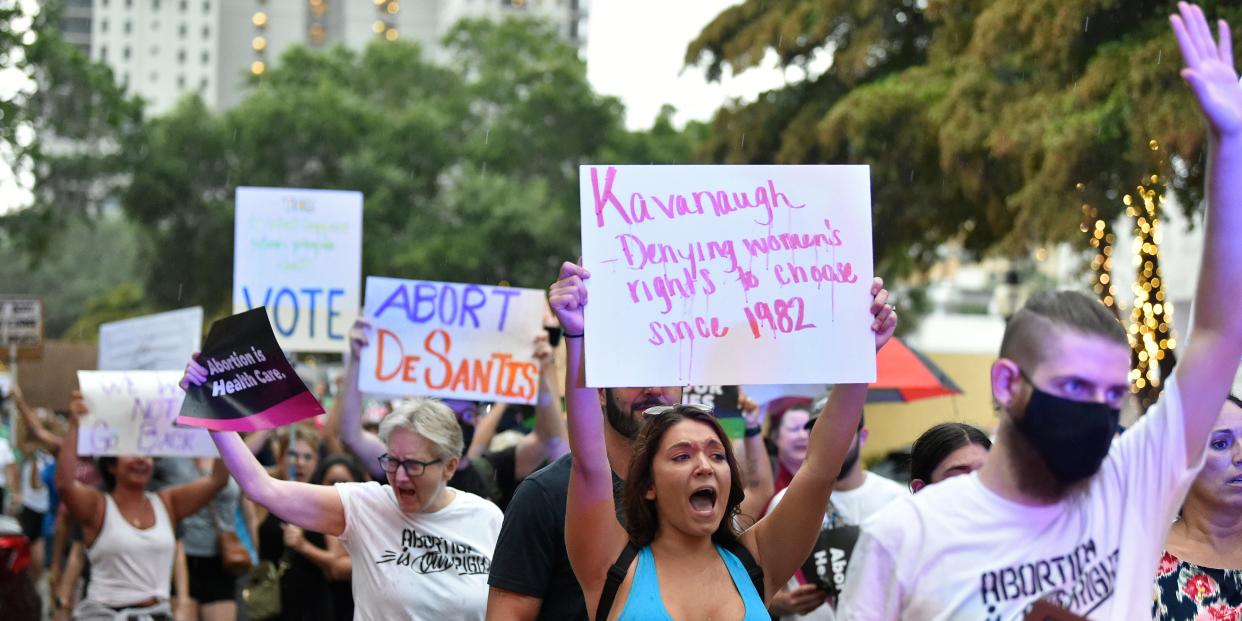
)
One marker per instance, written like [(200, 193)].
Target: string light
[(1101, 239), (1151, 320)]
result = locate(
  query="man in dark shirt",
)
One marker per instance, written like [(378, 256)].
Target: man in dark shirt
[(530, 577)]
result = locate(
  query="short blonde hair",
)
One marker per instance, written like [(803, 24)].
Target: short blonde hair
[(429, 418)]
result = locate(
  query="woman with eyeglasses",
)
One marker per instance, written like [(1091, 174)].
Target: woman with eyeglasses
[(681, 553), (420, 549)]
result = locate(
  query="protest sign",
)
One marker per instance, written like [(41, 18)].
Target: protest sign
[(727, 275), (452, 340), (299, 253), (163, 341), (830, 558), (21, 325), (724, 403), (133, 413), (250, 385)]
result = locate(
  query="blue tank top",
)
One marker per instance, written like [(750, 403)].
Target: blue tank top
[(644, 602)]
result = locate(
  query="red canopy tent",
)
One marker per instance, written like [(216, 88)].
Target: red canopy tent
[(903, 374)]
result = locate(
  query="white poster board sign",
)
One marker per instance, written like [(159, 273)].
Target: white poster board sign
[(727, 274), (132, 413), (159, 342), (299, 253), (451, 340)]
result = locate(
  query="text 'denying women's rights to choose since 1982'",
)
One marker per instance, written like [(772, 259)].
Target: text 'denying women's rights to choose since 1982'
[(727, 274)]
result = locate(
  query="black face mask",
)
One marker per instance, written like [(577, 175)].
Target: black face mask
[(1072, 437)]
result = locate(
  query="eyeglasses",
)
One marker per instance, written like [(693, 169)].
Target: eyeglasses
[(413, 467), (661, 410)]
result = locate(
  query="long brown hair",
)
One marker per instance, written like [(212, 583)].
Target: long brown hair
[(642, 520)]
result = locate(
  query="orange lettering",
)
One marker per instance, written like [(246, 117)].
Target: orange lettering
[(448, 365), (379, 362)]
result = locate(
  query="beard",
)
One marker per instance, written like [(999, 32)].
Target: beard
[(851, 458), (628, 423), (1034, 478)]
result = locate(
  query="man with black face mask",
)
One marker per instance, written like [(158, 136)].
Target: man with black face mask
[(856, 496), (1061, 511)]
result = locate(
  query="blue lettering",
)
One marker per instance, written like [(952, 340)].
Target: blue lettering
[(310, 294), (445, 318), (424, 293), (333, 313), (468, 308), (267, 295), (507, 294), (399, 292), (280, 326)]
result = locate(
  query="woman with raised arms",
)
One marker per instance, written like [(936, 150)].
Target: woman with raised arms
[(681, 497), (128, 531), (420, 549)]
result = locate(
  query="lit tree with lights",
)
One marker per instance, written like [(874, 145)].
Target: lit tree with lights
[(1101, 238), (1151, 319)]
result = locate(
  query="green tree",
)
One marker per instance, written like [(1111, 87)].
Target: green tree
[(89, 264), (79, 119), (979, 118), (468, 167)]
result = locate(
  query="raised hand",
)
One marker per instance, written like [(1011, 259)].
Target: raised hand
[(1209, 68), (359, 337), (568, 296), (77, 407), (195, 373), (544, 354), (885, 322)]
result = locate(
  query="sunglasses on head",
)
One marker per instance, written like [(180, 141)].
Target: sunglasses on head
[(661, 410)]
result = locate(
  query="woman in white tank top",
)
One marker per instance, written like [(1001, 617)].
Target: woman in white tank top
[(128, 532)]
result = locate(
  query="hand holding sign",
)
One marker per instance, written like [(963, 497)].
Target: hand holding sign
[(884, 322), (242, 381), (568, 298)]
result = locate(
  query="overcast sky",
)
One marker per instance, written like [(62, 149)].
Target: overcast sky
[(635, 51)]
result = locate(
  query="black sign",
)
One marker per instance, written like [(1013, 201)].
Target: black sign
[(830, 559), (250, 385), (724, 403)]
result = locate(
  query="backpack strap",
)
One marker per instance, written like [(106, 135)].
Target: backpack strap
[(753, 569), (616, 575)]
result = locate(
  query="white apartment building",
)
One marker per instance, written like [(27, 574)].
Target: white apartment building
[(162, 49)]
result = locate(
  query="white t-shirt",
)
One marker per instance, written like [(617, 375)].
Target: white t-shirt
[(854, 506), (6, 458), (34, 492), (958, 551), (418, 565)]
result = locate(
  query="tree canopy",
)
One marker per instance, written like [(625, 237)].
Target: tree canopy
[(988, 122), (468, 164)]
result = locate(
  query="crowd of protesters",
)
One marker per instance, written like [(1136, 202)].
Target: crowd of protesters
[(625, 503)]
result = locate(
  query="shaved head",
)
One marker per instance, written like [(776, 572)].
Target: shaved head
[(1027, 333)]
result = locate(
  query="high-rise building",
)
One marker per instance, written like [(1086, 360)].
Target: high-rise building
[(162, 49)]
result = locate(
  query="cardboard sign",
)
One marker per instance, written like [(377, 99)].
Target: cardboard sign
[(452, 340), (830, 558), (133, 413), (250, 385), (163, 341), (727, 275), (21, 325), (724, 403), (299, 253)]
